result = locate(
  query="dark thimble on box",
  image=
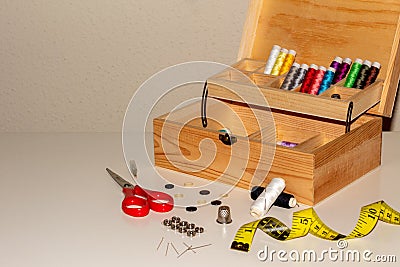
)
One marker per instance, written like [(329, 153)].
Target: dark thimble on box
[(224, 215)]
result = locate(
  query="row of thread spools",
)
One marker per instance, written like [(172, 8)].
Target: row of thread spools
[(316, 80)]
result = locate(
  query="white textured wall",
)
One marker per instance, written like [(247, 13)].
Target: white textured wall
[(69, 65)]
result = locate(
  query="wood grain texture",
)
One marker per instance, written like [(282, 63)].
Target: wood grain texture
[(280, 99), (311, 169), (348, 141), (344, 92), (235, 86), (367, 97), (297, 168), (218, 165), (320, 30), (250, 28), (347, 158)]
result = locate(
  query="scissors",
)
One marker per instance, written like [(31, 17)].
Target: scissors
[(138, 201)]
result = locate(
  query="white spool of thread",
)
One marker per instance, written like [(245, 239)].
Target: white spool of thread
[(264, 202), (272, 58)]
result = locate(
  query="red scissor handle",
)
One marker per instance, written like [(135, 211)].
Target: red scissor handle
[(138, 202)]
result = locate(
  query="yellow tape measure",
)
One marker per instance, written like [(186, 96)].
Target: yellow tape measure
[(307, 221)]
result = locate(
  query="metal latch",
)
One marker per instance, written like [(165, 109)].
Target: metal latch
[(227, 137)]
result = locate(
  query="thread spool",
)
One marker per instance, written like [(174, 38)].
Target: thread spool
[(342, 71), (286, 144), (308, 79), (362, 75), (355, 69), (279, 62), (375, 68), (256, 191), (287, 64), (286, 201), (319, 76), (264, 202), (327, 80), (272, 58), (336, 63), (299, 77), (290, 76)]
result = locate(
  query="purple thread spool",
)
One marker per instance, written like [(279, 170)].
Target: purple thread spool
[(336, 63), (286, 144), (342, 71)]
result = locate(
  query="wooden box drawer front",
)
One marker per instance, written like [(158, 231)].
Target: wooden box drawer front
[(325, 160), (190, 156)]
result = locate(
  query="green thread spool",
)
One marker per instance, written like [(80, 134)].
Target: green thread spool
[(352, 77)]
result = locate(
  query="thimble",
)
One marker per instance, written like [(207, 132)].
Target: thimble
[(224, 215)]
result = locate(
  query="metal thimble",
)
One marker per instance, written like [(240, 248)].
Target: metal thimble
[(224, 215)]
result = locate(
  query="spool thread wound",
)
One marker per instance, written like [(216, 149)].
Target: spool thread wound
[(272, 58), (264, 202), (279, 62), (309, 78), (342, 71), (374, 72), (287, 64), (355, 69), (327, 80), (290, 76)]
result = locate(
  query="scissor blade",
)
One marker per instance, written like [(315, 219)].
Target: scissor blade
[(122, 182), (132, 165)]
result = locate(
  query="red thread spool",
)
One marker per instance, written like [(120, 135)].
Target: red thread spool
[(319, 76), (308, 79)]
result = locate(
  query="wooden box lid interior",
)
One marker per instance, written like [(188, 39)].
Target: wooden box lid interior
[(321, 30)]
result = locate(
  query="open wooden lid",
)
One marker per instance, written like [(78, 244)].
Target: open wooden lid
[(319, 30)]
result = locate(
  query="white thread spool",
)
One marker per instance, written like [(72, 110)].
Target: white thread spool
[(272, 58), (264, 202)]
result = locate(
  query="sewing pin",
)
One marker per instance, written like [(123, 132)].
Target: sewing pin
[(162, 239)]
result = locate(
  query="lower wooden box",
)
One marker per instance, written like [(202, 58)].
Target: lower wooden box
[(325, 160)]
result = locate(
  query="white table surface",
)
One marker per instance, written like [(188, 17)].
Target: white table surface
[(58, 207)]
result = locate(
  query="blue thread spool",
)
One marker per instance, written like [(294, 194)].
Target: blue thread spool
[(327, 80)]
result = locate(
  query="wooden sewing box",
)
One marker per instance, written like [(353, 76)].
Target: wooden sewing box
[(339, 140)]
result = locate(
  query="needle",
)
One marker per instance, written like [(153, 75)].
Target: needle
[(162, 239), (184, 251), (190, 247), (166, 251), (174, 248), (201, 246)]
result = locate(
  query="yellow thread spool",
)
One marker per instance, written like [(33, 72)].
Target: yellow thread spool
[(279, 61), (287, 64)]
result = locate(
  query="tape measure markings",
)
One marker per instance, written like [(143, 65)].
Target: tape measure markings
[(307, 221)]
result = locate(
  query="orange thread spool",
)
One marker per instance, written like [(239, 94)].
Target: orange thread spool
[(287, 64)]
